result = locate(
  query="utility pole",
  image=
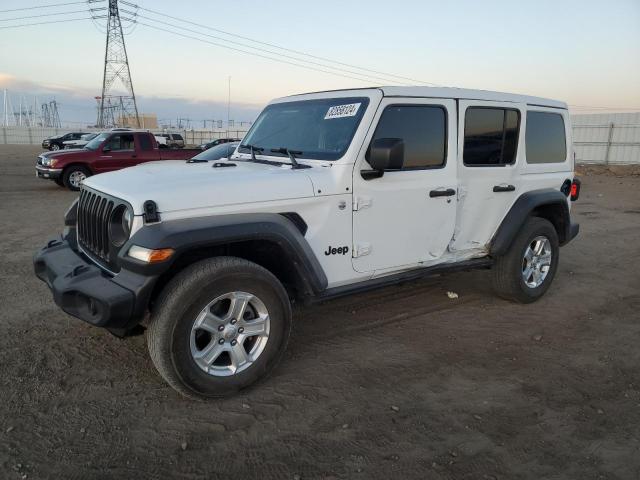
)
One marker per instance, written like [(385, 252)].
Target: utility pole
[(229, 106), (6, 110), (116, 66)]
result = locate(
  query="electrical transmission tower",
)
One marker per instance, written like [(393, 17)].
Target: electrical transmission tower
[(50, 115), (116, 66)]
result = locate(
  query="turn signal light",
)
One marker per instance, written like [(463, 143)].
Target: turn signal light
[(148, 255)]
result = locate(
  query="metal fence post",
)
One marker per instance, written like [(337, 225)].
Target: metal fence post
[(606, 155)]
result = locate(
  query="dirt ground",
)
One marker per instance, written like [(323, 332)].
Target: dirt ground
[(402, 382)]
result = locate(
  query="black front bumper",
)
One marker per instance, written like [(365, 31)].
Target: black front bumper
[(84, 290)]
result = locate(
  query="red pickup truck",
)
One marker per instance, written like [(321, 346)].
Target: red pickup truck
[(107, 152)]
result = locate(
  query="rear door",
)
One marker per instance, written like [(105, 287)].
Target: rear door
[(406, 218), (117, 152), (144, 149), (489, 178)]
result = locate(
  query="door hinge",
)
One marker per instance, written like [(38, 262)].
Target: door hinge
[(361, 249), (360, 203)]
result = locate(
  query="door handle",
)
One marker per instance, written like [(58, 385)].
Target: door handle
[(504, 188), (134, 155), (442, 193)]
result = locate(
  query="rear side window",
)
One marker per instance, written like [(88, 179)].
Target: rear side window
[(423, 130), (545, 137), (177, 137), (490, 136), (145, 142)]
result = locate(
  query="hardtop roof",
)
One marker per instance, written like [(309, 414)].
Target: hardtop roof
[(456, 93)]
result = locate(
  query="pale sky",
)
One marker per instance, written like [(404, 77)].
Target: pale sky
[(583, 52)]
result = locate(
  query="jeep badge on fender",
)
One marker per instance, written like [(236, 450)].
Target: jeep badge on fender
[(229, 249), (336, 251)]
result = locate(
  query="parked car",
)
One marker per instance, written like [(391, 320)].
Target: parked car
[(57, 142), (171, 140), (223, 150), (108, 151), (84, 139), (330, 194), (218, 141)]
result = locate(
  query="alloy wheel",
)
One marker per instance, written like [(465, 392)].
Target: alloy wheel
[(229, 333)]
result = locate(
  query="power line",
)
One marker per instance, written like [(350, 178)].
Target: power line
[(51, 14), (48, 5), (413, 80), (53, 21), (265, 50), (252, 53)]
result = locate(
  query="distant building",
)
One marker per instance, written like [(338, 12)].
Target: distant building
[(147, 120)]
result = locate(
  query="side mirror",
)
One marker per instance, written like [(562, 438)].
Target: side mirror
[(384, 154), (106, 148)]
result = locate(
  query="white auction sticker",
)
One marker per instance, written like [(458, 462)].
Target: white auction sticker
[(341, 111)]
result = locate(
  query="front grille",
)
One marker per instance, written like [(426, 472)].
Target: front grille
[(94, 216)]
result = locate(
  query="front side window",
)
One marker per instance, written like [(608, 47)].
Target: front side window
[(490, 136), (422, 129), (96, 142), (120, 142), (320, 129), (545, 138)]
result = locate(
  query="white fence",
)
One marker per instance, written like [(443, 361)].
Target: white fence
[(607, 138), (35, 135)]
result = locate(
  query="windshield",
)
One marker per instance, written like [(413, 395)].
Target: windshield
[(216, 153), (88, 136), (95, 143), (320, 129)]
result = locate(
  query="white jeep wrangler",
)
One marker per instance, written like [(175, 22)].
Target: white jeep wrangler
[(330, 193)]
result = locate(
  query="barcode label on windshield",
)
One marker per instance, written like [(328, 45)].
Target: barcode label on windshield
[(341, 111)]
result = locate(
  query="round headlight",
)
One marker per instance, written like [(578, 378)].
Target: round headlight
[(120, 225)]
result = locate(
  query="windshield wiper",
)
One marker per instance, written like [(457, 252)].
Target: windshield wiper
[(292, 154), (253, 151)]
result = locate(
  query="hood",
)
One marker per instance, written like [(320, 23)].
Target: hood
[(67, 154), (177, 185)]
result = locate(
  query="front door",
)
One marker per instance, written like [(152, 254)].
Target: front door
[(407, 217), (117, 152)]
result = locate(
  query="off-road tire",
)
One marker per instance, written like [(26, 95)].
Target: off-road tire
[(508, 279), (66, 175), (178, 304)]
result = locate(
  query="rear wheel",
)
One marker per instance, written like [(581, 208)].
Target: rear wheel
[(526, 271), (73, 176), (220, 325)]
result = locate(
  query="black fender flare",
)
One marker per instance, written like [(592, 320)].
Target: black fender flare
[(192, 233), (522, 209)]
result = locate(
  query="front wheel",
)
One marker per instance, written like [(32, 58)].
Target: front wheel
[(73, 176), (219, 326), (526, 271)]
